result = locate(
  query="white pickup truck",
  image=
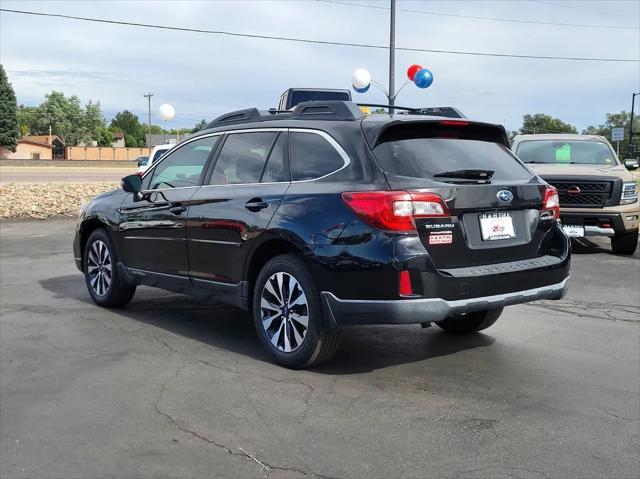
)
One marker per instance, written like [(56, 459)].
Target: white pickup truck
[(156, 154)]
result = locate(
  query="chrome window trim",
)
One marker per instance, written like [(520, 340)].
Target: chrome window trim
[(173, 150), (336, 146)]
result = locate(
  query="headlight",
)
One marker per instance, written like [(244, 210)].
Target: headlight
[(629, 193)]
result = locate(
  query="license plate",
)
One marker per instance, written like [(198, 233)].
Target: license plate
[(573, 231), (496, 226)]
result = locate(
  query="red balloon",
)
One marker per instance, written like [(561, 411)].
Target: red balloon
[(412, 70)]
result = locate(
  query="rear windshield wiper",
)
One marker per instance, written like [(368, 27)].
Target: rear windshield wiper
[(466, 174)]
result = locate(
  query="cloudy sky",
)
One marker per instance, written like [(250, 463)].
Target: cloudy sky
[(204, 75)]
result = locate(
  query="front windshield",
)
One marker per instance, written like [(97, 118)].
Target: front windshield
[(566, 152)]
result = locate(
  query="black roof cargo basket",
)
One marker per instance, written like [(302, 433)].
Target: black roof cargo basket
[(335, 110)]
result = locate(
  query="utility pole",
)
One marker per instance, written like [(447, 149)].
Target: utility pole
[(148, 96), (392, 56), (633, 98)]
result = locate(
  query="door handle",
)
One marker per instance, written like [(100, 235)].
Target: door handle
[(178, 209), (256, 204)]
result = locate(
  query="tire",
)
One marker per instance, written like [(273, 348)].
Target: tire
[(625, 244), (105, 285), (280, 323), (471, 322)]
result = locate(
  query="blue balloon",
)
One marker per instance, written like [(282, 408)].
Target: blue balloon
[(362, 90), (423, 78)]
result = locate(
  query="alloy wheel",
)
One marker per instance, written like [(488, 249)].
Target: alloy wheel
[(99, 268), (285, 312)]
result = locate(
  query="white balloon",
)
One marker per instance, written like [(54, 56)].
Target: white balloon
[(360, 78), (167, 112)]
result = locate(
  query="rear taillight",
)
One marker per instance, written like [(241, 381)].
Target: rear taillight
[(395, 210), (551, 201), (404, 284)]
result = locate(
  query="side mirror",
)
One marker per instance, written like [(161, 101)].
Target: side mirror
[(631, 164), (132, 184)]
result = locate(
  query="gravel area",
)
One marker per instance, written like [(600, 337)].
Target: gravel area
[(70, 163), (46, 200)]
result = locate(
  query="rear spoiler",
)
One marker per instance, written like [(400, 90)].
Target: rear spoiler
[(432, 128)]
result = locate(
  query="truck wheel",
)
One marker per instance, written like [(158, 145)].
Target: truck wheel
[(288, 316), (471, 322), (100, 272), (625, 244)]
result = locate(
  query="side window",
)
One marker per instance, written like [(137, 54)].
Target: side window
[(311, 156), (242, 158), (183, 166), (274, 171)]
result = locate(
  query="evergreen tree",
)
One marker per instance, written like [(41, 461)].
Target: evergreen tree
[(9, 132)]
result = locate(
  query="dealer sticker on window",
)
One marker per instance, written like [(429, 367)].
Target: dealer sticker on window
[(496, 226)]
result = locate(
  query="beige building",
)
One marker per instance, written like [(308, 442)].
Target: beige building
[(51, 148), (43, 147)]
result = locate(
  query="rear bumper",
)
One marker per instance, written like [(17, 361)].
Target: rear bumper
[(421, 310)]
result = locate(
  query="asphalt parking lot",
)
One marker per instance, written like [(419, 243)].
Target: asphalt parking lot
[(169, 388)]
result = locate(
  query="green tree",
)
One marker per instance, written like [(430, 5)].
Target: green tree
[(103, 136), (94, 124), (541, 123), (64, 115), (130, 140), (8, 114), (28, 120), (616, 120), (130, 124)]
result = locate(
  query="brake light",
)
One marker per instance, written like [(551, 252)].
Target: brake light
[(395, 210), (454, 123), (551, 201)]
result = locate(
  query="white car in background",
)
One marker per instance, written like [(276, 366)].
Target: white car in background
[(156, 154)]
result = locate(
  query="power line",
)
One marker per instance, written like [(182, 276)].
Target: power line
[(580, 9), (477, 17), (317, 42)]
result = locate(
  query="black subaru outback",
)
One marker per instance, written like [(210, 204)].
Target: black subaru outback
[(319, 217)]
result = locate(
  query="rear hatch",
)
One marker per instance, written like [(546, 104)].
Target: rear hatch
[(494, 201)]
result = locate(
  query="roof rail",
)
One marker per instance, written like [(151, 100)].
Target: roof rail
[(444, 111), (382, 105), (335, 110), (238, 116)]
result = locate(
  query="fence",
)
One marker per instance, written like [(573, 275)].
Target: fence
[(104, 153)]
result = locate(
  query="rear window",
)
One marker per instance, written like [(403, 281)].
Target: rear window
[(312, 156), (567, 152), (424, 157)]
